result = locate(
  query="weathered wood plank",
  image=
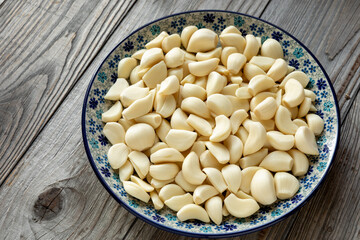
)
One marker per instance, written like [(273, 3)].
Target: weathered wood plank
[(45, 46)]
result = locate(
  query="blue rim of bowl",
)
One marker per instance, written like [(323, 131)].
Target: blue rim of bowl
[(194, 234)]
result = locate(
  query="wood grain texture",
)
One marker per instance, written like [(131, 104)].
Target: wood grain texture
[(56, 161), (45, 46)]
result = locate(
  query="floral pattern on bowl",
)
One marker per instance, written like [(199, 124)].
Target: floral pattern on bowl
[(296, 54)]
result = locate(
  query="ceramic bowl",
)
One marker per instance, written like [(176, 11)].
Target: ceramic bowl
[(296, 54)]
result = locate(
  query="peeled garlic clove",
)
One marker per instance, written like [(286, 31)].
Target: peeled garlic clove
[(230, 89), (304, 107), (202, 40), (230, 29), (178, 120), (174, 58), (266, 109), (140, 163), (165, 105), (283, 121), (213, 207), (117, 155), (180, 139), (301, 162), (240, 208), (226, 52), (188, 79), (193, 90), (305, 141), (131, 94), (280, 141), (251, 70), (163, 130), (316, 123), (236, 119), (192, 211), (200, 125), (310, 94), (216, 179), (134, 75), (215, 83), (136, 191), (191, 169), (177, 72), (233, 40), (116, 89), (158, 204), (175, 203), (278, 69), (272, 48), (186, 33), (138, 54), (156, 42), (235, 62), (125, 66), (258, 98), (125, 171), (166, 155), (263, 187), (216, 53), (157, 184), (232, 175), (151, 57), (144, 185), (286, 185), (256, 138), (264, 63), (294, 93), (201, 82), (277, 161), (169, 191), (114, 132), (243, 93), (260, 83), (195, 106), (269, 124), (153, 119), (297, 75), (219, 104), (235, 146), (243, 134), (170, 42), (208, 160), (222, 129), (246, 178), (164, 171), (220, 152), (203, 68), (299, 122), (140, 136), (180, 180), (203, 193), (169, 86), (155, 75), (198, 147), (140, 107), (253, 159), (252, 47), (242, 195), (113, 114)]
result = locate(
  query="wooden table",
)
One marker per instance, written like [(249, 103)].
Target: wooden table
[(49, 51)]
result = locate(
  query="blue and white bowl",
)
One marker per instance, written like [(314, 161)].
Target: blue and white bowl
[(296, 54)]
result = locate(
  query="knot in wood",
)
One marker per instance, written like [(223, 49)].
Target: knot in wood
[(48, 205)]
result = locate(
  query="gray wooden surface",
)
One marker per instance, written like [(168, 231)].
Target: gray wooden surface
[(48, 52)]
